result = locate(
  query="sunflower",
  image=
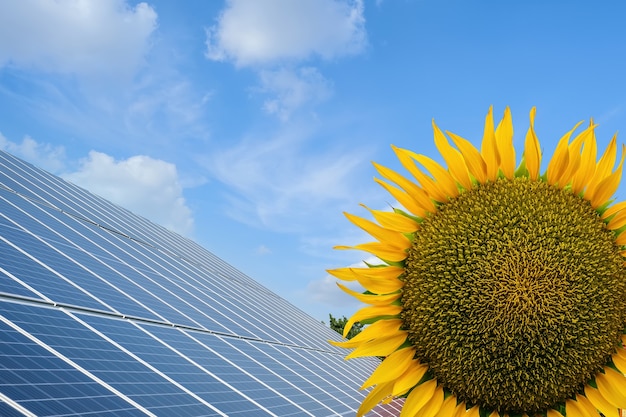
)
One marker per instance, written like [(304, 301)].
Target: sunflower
[(502, 291)]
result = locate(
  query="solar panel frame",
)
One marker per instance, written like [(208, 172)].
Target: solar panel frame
[(137, 315)]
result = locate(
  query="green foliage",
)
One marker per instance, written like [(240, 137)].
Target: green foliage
[(338, 324)]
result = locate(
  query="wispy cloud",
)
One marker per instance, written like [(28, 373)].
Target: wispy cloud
[(105, 37), (279, 182), (275, 37), (292, 89), (99, 70)]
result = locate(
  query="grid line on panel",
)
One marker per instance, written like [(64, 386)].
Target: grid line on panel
[(74, 365), (164, 250), (115, 315), (82, 196), (303, 392), (17, 407), (306, 373), (207, 371), (220, 272), (30, 198), (251, 375), (82, 250), (164, 292), (46, 267), (192, 277), (222, 281), (147, 364), (82, 268), (111, 259)]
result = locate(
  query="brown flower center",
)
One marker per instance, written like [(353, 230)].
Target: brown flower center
[(515, 295)]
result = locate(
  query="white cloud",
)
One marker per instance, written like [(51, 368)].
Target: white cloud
[(149, 187), (46, 156), (274, 37), (251, 32), (279, 183), (293, 89), (87, 37)]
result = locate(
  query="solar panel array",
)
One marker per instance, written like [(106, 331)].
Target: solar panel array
[(103, 313)]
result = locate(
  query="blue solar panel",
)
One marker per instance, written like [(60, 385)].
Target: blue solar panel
[(39, 381), (104, 313)]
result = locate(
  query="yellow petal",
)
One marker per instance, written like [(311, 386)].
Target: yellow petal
[(441, 176), (586, 405), (532, 152), (380, 280), (612, 386), (449, 406), (615, 208), (621, 240), (371, 313), (619, 359), (453, 158), (607, 187), (394, 221), (391, 367), (384, 251), (380, 328), (572, 409), (560, 160), (553, 413), (378, 286), (473, 412), (428, 184), (474, 161), (605, 407), (574, 157), (617, 221), (504, 142), (418, 398), (374, 299), (375, 396), (410, 377), (381, 346), (461, 410), (381, 273), (495, 413), (380, 233), (433, 405), (587, 162), (604, 166), (489, 149), (412, 189), (407, 201)]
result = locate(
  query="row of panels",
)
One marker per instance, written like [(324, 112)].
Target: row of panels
[(104, 313), (52, 191), (70, 261), (59, 362)]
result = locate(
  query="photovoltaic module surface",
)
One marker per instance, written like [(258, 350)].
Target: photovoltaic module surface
[(103, 313)]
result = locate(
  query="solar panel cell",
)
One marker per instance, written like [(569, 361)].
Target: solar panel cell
[(104, 313)]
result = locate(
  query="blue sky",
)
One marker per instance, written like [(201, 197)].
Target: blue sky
[(250, 125)]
